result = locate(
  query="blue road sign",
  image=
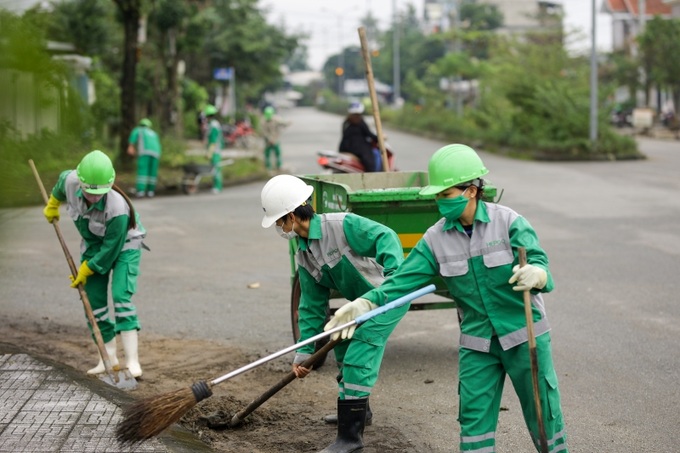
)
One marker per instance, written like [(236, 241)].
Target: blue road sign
[(223, 73)]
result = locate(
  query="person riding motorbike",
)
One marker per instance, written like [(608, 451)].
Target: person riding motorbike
[(358, 139)]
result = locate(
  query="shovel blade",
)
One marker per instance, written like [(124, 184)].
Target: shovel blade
[(121, 379)]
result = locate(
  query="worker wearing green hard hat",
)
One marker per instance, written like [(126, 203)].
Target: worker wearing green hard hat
[(474, 248), (271, 129), (214, 144), (111, 250), (145, 145)]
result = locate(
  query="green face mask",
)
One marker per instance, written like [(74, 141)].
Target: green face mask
[(452, 208)]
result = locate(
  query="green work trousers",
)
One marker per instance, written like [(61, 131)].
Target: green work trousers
[(123, 285), (147, 171), (276, 149), (480, 387), (217, 171), (359, 359)]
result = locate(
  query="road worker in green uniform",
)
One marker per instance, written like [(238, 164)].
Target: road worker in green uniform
[(145, 144), (110, 250), (343, 252), (474, 249), (215, 143), (271, 131)]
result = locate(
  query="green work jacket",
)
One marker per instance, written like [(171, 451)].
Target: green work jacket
[(215, 136), (476, 271), (103, 226), (145, 141), (344, 252)]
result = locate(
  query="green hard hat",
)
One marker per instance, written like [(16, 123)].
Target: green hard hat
[(453, 165), (268, 112), (96, 173), (210, 110), (145, 122)]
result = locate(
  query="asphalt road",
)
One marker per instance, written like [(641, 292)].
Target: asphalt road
[(610, 229)]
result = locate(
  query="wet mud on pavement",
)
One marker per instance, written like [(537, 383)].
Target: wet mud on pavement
[(290, 421)]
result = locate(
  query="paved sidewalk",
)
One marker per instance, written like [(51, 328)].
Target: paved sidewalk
[(48, 407)]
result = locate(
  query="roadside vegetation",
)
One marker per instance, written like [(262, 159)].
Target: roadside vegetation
[(524, 97)]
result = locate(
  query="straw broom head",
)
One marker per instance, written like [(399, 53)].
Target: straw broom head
[(149, 417)]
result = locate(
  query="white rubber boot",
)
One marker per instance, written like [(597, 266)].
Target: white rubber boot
[(111, 350), (129, 338)]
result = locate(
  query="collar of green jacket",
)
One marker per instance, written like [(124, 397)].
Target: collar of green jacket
[(314, 232), (481, 215)]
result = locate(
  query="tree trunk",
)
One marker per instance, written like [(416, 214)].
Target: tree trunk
[(130, 11), (172, 113)]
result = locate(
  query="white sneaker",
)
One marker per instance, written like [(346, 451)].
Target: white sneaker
[(111, 351), (215, 190), (151, 194), (140, 195), (129, 339)]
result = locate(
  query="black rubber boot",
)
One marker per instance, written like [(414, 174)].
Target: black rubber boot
[(332, 419), (351, 422)]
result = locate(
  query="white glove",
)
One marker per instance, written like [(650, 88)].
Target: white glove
[(346, 313), (528, 277)]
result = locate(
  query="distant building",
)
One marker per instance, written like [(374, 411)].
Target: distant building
[(626, 19), (519, 16)]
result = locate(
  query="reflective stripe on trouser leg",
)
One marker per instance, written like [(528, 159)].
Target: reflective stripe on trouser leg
[(480, 388), (340, 350), (217, 171), (97, 288), (123, 286), (518, 366), (143, 173), (364, 354)]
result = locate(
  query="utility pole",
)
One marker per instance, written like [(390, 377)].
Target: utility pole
[(396, 64), (642, 12), (593, 77)]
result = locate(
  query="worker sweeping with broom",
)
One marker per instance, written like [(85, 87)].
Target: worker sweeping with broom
[(110, 250), (343, 252), (475, 249)]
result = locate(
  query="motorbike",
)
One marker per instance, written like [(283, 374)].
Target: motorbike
[(240, 134), (340, 162)]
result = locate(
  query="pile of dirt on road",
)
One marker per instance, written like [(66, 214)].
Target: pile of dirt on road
[(291, 421)]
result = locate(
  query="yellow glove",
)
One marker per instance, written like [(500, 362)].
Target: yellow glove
[(83, 273), (51, 211)]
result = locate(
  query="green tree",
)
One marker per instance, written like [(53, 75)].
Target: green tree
[(660, 46)]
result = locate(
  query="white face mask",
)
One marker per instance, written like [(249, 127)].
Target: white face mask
[(286, 235), (91, 197)]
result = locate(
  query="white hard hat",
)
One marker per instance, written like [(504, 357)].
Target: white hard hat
[(283, 194), (355, 107)]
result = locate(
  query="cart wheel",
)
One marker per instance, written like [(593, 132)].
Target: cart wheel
[(294, 304), (189, 186)]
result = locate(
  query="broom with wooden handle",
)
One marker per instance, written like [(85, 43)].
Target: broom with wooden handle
[(287, 379), (122, 379), (532, 356), (149, 417)]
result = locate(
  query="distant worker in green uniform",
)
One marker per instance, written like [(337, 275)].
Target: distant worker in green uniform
[(110, 251), (214, 144), (271, 131), (347, 253), (145, 144), (474, 248)]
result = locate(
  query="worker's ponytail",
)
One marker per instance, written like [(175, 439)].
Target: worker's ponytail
[(132, 223)]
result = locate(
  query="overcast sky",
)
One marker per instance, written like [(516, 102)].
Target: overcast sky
[(331, 23)]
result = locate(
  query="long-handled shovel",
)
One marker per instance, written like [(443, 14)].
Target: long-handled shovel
[(532, 355), (151, 416), (118, 378), (287, 379)]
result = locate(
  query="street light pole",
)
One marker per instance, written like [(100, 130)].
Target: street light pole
[(395, 55), (593, 78)]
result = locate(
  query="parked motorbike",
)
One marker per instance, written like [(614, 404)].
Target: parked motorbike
[(339, 162), (240, 134)]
